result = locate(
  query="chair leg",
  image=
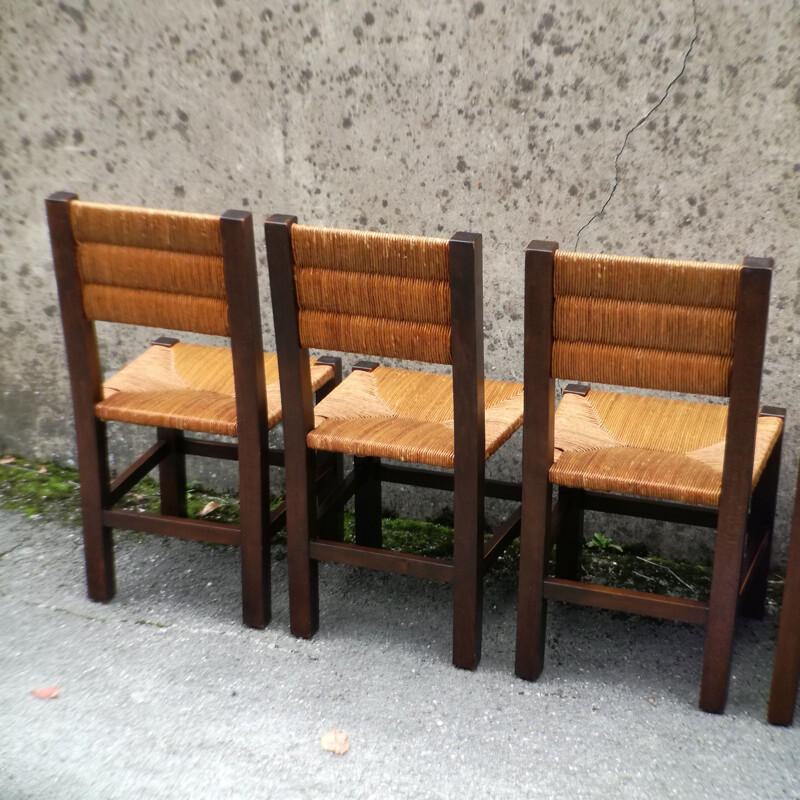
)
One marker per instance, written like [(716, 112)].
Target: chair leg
[(723, 605), (98, 545), (760, 527), (368, 508), (533, 557), (301, 517), (570, 535), (254, 517), (786, 669), (468, 525), (172, 474), (331, 465)]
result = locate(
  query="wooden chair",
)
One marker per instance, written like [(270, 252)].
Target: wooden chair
[(676, 326), (405, 297), (786, 669), (188, 272)]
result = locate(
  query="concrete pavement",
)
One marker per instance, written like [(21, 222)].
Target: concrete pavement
[(165, 694)]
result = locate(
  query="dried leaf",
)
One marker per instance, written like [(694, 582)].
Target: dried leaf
[(335, 741), (42, 470), (7, 460), (208, 508), (48, 693)]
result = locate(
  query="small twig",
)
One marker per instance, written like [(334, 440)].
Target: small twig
[(21, 466), (646, 577), (674, 574)]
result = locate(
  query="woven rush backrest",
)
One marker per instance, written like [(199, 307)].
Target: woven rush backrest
[(376, 293), (645, 322), (161, 269)]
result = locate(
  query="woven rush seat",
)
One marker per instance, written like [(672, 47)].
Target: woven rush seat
[(189, 387), (648, 446), (407, 416)]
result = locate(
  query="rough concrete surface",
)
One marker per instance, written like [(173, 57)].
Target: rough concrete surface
[(165, 694), (667, 128)]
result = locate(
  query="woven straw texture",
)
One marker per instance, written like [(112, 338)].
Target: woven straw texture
[(189, 387), (652, 323), (407, 416), (376, 293), (648, 446), (162, 269)]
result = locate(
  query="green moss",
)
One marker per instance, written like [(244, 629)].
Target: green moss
[(38, 488), (408, 535), (646, 573), (422, 538)]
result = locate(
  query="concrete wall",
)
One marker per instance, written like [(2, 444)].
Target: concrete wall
[(666, 128)]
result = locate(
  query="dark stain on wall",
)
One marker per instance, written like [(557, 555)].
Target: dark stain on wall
[(74, 14)]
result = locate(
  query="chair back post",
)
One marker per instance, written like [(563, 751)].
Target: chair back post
[(86, 382), (83, 357), (466, 315), (247, 352), (244, 319), (466, 304), (294, 373), (540, 397), (294, 369), (752, 308), (537, 450)]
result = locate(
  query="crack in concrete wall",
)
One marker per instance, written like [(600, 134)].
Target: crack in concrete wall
[(639, 125)]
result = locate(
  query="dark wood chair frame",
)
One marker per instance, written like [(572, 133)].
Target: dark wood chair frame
[(99, 494), (786, 668), (743, 522), (467, 481)]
